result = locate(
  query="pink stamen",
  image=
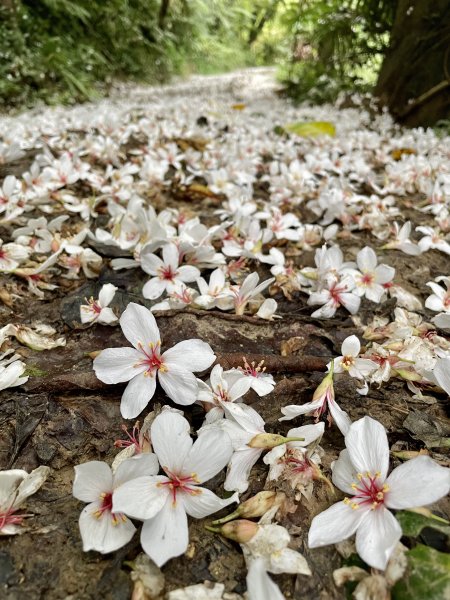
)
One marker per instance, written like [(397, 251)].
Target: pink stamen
[(181, 484)]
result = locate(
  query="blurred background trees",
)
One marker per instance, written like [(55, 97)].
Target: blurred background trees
[(71, 50)]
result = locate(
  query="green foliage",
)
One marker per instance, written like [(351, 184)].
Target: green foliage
[(70, 50), (412, 523), (428, 576), (336, 45)]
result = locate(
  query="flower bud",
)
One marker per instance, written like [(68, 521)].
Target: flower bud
[(253, 507), (240, 531), (325, 388), (271, 440)]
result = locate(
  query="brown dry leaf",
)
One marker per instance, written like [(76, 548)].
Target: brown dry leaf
[(293, 345), (6, 297), (397, 153)]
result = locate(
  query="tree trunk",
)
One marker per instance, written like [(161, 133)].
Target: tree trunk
[(414, 80)]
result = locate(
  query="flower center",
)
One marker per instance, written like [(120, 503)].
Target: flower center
[(9, 518), (367, 278), (368, 490), (181, 484), (133, 439), (347, 361), (254, 370), (152, 359), (106, 507), (166, 273)]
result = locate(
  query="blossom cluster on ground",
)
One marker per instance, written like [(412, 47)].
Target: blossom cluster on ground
[(284, 221)]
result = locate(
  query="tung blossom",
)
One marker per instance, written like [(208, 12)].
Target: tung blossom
[(372, 278), (335, 293), (356, 367), (323, 400), (166, 273), (140, 365), (249, 290), (98, 311), (16, 486), (102, 529), (164, 501), (361, 471)]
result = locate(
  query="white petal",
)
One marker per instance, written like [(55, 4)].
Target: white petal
[(191, 355), (188, 273), (166, 535), (171, 256), (350, 302), (138, 466), (339, 416), (114, 365), (139, 325), (262, 385), (344, 473), (204, 502), (288, 561), (335, 524), (441, 373), (9, 482), (31, 484), (137, 395), (180, 385), (367, 259), (240, 387), (210, 454), (150, 263), (171, 441), (384, 274), (351, 346), (239, 469), (91, 480), (107, 316), (310, 432), (377, 537), (102, 533), (417, 482), (293, 410), (368, 446), (106, 294), (259, 584), (141, 498), (154, 288)]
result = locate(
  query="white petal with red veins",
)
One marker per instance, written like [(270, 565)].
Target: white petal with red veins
[(137, 395), (191, 355), (166, 535), (377, 537), (417, 482)]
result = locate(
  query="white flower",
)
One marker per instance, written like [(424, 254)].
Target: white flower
[(356, 367), (270, 544), (167, 273), (336, 293), (259, 584), (294, 462), (98, 310), (163, 501), (216, 293), (323, 399), (361, 471), (15, 487), (242, 424), (223, 387), (249, 289), (11, 370), (401, 240), (11, 255), (433, 240), (370, 281), (102, 529), (440, 300), (139, 365), (260, 381)]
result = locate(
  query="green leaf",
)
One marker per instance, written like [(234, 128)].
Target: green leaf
[(412, 523), (311, 128), (427, 576)]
